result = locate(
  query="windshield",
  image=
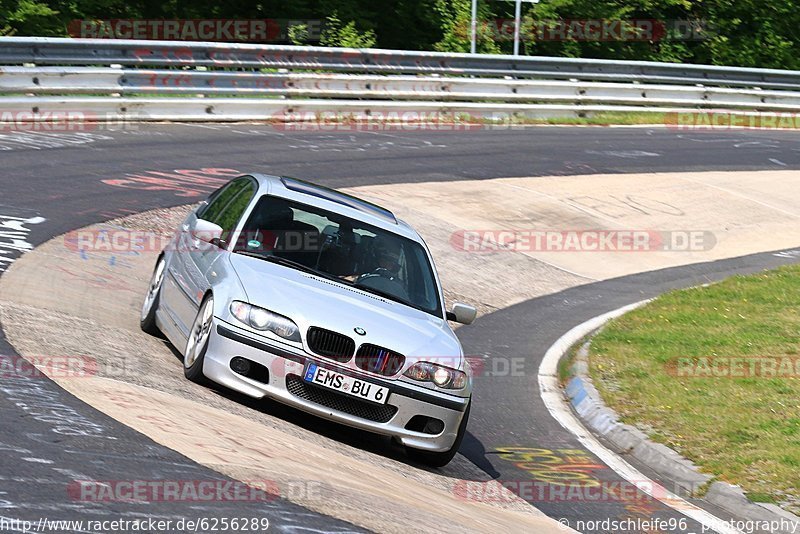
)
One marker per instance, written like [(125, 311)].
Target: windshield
[(342, 248)]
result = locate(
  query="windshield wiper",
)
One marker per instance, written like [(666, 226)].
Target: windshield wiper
[(288, 263), (387, 295)]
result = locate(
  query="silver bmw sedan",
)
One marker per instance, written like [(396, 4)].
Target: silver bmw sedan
[(281, 288)]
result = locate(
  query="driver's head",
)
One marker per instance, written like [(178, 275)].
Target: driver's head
[(389, 255)]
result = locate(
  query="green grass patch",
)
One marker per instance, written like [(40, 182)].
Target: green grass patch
[(666, 368), (608, 118), (565, 363)]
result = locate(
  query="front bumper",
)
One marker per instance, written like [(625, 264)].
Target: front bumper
[(286, 366)]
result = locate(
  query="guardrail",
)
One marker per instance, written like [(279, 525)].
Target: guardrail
[(258, 81)]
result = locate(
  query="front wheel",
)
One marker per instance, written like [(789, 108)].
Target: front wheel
[(441, 459), (147, 319), (197, 345)]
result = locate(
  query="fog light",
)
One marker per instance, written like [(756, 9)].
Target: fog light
[(425, 424), (240, 366), (433, 426)]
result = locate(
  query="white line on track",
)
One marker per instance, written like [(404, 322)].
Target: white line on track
[(558, 407), (203, 126)]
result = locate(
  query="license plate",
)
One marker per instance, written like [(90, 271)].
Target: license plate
[(345, 384)]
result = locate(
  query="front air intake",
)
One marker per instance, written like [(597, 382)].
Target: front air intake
[(379, 360), (380, 413), (331, 344)]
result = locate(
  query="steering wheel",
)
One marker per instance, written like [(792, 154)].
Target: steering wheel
[(384, 280)]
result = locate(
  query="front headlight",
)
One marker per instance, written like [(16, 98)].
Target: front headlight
[(265, 320), (442, 376)]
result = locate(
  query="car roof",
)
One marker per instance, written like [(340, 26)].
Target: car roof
[(335, 201)]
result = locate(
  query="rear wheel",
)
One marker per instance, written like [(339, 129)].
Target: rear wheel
[(197, 345), (441, 459), (147, 320)]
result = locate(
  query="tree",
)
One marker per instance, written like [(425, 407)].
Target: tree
[(29, 17), (456, 23), (298, 34), (336, 33)]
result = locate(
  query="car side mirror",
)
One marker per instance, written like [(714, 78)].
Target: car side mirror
[(208, 232), (462, 313)]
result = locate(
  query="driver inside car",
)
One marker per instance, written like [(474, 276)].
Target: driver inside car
[(386, 276), (388, 261)]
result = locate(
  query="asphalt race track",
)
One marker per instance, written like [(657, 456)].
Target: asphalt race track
[(62, 181)]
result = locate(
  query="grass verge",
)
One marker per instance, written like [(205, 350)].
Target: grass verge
[(714, 372), (610, 118)]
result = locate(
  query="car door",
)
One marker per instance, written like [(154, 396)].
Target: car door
[(186, 283), (203, 255)]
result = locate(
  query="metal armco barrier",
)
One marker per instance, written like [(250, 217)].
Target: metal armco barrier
[(214, 81)]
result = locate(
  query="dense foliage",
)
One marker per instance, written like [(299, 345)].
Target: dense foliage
[(757, 33)]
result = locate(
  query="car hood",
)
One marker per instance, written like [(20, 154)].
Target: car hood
[(314, 301)]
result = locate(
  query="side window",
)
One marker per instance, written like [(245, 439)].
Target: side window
[(238, 192), (210, 200), (235, 209)]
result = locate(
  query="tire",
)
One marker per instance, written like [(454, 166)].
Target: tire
[(441, 459), (195, 353), (147, 319)]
